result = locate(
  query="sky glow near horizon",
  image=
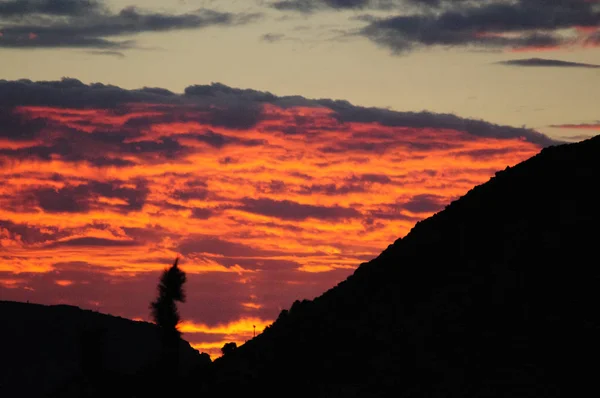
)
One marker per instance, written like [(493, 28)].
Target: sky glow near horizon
[(266, 201), (266, 198)]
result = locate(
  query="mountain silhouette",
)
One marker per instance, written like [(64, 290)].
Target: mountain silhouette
[(495, 296), (64, 351)]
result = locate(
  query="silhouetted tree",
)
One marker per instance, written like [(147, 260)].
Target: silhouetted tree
[(166, 315), (228, 348)]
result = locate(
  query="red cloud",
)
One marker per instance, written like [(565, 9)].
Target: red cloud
[(95, 202)]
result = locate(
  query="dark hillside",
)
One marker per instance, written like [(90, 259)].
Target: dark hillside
[(62, 350), (495, 296)]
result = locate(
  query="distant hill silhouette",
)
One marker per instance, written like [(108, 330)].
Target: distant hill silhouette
[(495, 296), (65, 351)]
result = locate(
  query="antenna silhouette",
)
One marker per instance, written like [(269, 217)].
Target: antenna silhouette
[(254, 326)]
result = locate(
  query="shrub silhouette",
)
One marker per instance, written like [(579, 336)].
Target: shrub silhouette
[(228, 348)]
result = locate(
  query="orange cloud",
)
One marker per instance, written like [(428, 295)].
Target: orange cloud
[(264, 204)]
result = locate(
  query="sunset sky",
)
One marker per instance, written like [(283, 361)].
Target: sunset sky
[(272, 145)]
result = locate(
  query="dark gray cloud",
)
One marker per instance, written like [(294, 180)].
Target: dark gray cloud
[(201, 213), (424, 203), (541, 62), (23, 8), (482, 154), (191, 190), (491, 24), (74, 93), (288, 210), (410, 210), (216, 105), (308, 6), (110, 53), (64, 200), (578, 126), (32, 234), (373, 178), (212, 245), (390, 212), (18, 127), (296, 5), (332, 189), (11, 39), (272, 37), (361, 183), (98, 148), (93, 242), (89, 24), (346, 112), (236, 116), (85, 197), (219, 90)]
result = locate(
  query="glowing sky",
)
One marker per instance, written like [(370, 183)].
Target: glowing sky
[(266, 199), (266, 196)]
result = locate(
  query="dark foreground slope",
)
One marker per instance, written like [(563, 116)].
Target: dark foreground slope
[(65, 351), (496, 296)]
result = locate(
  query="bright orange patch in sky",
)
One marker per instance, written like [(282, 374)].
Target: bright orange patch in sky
[(260, 216)]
